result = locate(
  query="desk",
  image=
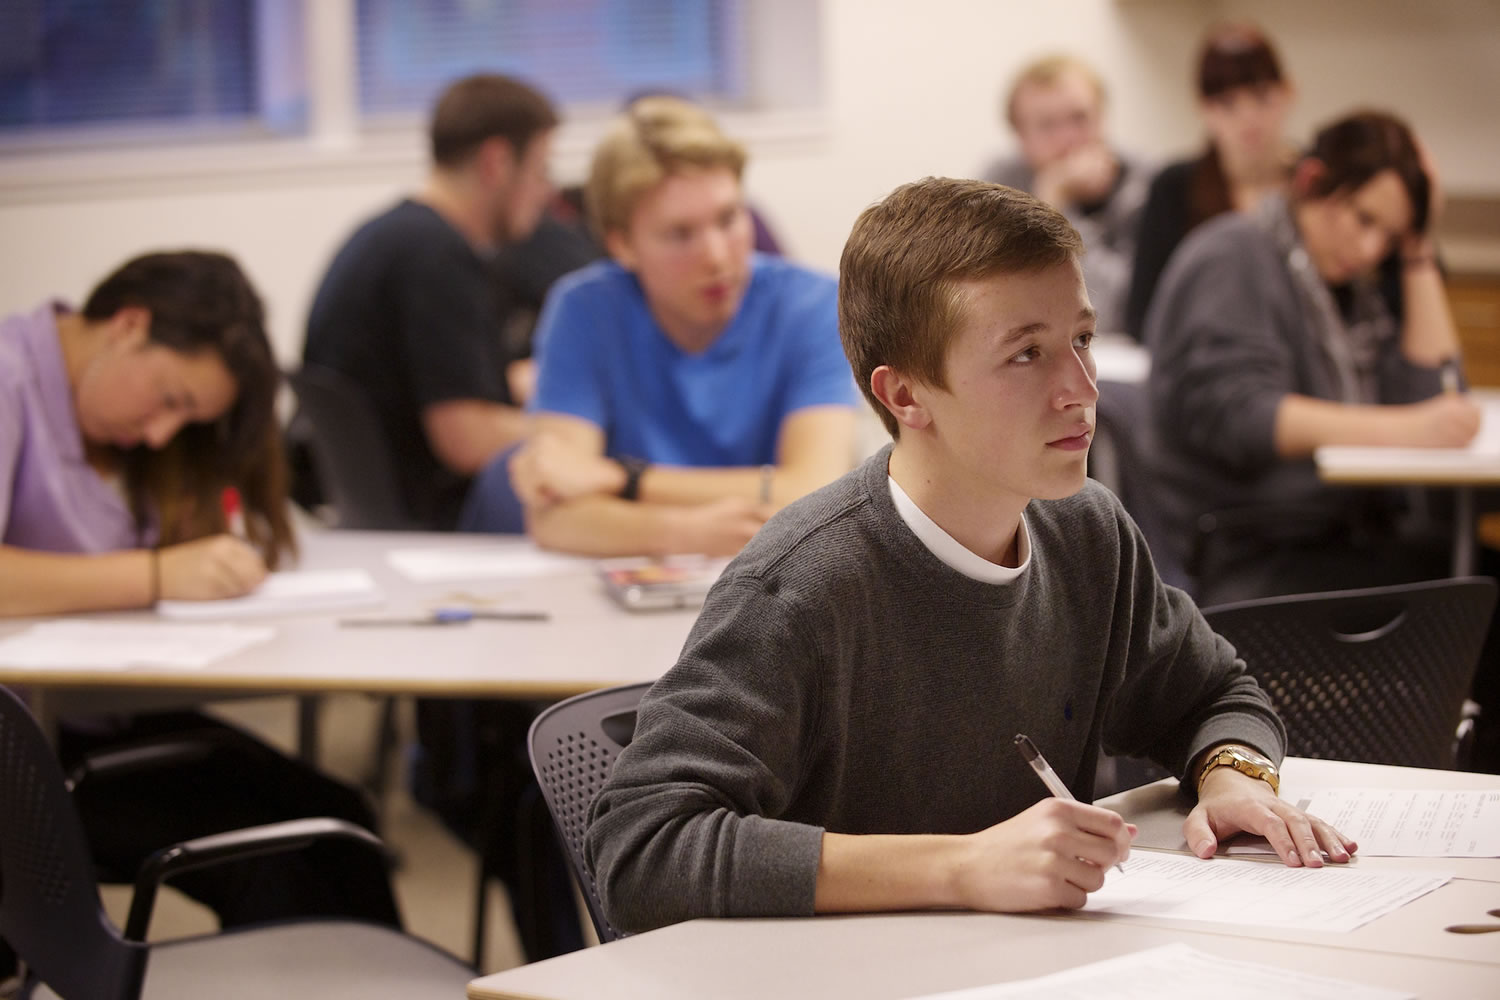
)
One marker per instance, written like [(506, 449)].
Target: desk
[(905, 955), (590, 642), (1462, 469)]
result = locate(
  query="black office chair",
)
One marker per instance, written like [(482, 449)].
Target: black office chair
[(355, 469), (1376, 675), (357, 475), (573, 748), (51, 916)]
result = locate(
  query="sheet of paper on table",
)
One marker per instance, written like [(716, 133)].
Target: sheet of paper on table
[(296, 592), (1405, 822), (1174, 972), (1221, 890), (483, 563), (121, 645)]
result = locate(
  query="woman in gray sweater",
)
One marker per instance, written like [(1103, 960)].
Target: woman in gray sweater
[(1269, 339)]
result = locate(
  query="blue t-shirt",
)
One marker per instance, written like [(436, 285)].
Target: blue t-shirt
[(603, 358)]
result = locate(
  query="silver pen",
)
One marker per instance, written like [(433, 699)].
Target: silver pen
[(1049, 777)]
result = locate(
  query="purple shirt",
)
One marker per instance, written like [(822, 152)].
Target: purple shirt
[(51, 499)]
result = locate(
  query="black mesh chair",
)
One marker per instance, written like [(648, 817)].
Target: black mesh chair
[(573, 747), (355, 469), (51, 916), (1377, 675)]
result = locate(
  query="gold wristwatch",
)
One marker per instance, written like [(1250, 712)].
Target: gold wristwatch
[(1244, 760)]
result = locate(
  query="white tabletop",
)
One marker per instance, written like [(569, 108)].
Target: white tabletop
[(589, 641), (1476, 465), (905, 955)]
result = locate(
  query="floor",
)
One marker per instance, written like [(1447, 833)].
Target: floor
[(435, 879)]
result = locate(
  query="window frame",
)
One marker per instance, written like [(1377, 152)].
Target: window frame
[(784, 107)]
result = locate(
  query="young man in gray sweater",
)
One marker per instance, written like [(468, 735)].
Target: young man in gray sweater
[(837, 734)]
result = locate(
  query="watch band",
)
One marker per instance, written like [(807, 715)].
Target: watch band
[(1243, 759), (633, 467)]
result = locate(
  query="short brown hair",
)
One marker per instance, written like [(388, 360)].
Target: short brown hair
[(483, 107), (1046, 71), (899, 303), (655, 137)]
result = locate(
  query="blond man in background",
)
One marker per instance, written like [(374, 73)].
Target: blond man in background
[(1055, 106), (687, 387)]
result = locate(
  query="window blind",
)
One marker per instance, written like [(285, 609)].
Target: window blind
[(576, 51)]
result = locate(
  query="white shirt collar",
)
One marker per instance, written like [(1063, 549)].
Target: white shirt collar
[(950, 550)]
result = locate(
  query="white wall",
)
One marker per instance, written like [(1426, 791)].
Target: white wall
[(911, 89)]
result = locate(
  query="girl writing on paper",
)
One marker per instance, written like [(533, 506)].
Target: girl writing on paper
[(1270, 337), (121, 424)]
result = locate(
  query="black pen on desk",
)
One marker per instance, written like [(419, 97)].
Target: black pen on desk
[(1044, 771)]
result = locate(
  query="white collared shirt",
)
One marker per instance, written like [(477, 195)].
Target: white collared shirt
[(950, 550)]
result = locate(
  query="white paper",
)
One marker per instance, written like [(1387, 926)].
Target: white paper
[(286, 593), (1406, 823), (488, 563), (1482, 452), (1257, 894), (1175, 972), (1118, 358), (119, 645)]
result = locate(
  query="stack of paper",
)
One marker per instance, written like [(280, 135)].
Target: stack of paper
[(284, 594), (482, 563), (1330, 898), (118, 645)]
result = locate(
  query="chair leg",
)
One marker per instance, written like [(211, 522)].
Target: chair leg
[(481, 898)]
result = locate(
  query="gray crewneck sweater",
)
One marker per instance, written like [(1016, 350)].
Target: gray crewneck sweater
[(842, 678)]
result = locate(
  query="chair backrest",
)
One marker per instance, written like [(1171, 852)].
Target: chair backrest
[(352, 456), (573, 745), (50, 912), (1115, 460), (1377, 675)]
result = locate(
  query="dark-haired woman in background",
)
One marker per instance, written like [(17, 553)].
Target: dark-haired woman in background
[(1270, 337), (1243, 98), (121, 425)]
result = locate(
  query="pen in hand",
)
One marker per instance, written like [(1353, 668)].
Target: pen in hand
[(1044, 771), (1449, 373)]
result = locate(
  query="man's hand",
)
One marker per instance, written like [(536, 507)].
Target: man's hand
[(1052, 855), (1231, 802), (548, 470), (209, 568), (721, 527), (1082, 176)]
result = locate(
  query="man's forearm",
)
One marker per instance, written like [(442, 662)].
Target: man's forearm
[(863, 874), (606, 526), (467, 434)]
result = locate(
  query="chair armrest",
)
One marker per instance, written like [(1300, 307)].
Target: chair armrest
[(145, 755), (203, 852)]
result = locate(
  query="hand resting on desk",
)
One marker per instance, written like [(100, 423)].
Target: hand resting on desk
[(1231, 803)]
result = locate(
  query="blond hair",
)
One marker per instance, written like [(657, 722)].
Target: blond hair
[(1045, 72), (899, 300), (655, 137)]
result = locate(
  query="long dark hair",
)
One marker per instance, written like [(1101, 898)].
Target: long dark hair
[(201, 301), (1233, 55)]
